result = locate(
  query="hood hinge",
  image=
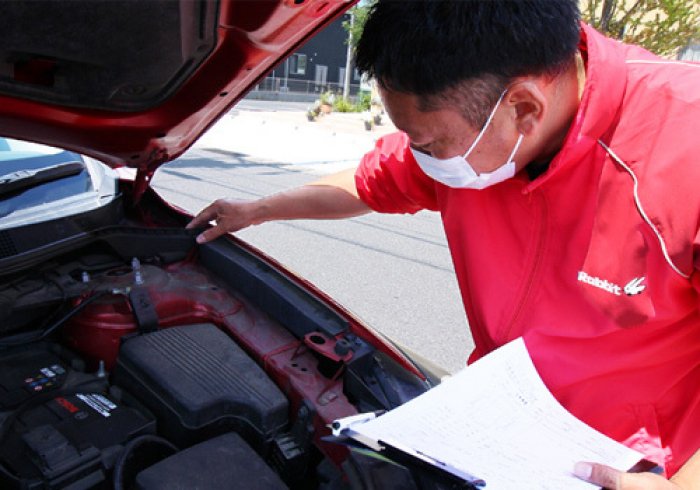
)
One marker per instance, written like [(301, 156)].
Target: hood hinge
[(141, 183), (145, 173)]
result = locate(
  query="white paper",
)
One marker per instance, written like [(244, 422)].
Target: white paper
[(496, 420)]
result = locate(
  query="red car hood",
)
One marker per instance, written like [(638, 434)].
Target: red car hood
[(135, 82)]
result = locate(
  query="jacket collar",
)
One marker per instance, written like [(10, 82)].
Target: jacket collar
[(606, 79)]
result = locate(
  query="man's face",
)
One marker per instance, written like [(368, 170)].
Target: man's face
[(444, 133)]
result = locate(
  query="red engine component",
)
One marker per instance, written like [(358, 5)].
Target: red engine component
[(180, 296)]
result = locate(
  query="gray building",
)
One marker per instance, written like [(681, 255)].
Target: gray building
[(316, 67)]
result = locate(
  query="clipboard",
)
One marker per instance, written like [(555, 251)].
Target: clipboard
[(422, 465), (494, 421)]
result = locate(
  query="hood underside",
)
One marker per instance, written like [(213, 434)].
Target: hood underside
[(135, 82)]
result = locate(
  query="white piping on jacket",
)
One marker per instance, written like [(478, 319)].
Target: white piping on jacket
[(664, 62), (638, 203)]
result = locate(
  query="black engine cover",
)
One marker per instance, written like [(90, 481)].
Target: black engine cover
[(223, 462), (199, 383)]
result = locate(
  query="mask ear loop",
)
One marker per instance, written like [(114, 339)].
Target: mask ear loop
[(515, 148), (488, 121)]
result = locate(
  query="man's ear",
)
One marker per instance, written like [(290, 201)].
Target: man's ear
[(529, 105)]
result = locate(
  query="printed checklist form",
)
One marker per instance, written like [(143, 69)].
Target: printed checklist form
[(495, 424)]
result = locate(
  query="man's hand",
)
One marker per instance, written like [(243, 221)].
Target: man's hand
[(687, 478), (613, 479), (331, 197), (229, 216)]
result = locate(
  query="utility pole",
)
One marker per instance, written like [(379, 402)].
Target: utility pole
[(348, 60)]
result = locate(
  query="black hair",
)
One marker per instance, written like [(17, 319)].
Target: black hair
[(439, 50)]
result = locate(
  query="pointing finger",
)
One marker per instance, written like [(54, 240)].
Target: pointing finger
[(211, 234), (204, 217)]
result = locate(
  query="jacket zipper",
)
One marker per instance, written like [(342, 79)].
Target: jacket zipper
[(533, 274)]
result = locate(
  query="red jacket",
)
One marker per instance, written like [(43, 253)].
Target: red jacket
[(595, 261)]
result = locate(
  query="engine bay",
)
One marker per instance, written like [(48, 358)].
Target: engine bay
[(65, 427), (139, 361)]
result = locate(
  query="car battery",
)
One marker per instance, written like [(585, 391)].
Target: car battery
[(56, 433), (199, 383), (31, 370)]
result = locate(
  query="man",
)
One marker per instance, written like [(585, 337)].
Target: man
[(564, 166)]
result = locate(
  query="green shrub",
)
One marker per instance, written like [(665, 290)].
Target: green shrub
[(363, 101), (341, 104)]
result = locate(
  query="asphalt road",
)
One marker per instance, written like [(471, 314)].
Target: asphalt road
[(393, 272)]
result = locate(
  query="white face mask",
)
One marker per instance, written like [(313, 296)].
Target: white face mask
[(454, 173)]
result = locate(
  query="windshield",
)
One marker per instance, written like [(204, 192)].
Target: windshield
[(41, 183), (19, 158), (12, 149)]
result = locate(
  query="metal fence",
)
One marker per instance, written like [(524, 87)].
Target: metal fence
[(288, 85)]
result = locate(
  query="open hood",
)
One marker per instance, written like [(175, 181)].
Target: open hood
[(135, 82)]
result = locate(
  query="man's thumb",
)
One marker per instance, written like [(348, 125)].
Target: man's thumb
[(598, 474)]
